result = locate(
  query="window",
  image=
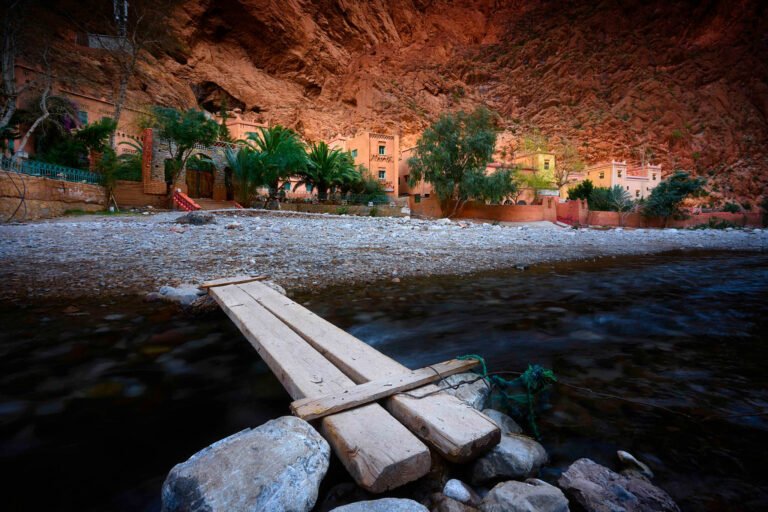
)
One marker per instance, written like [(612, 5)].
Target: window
[(602, 175), (382, 175), (287, 186), (627, 187), (654, 176), (382, 149), (546, 165), (354, 153), (637, 193), (618, 173), (82, 116), (309, 187)]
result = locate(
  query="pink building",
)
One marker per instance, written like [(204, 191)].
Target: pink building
[(638, 179), (378, 153)]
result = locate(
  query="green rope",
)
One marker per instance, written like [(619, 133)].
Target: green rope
[(534, 380)]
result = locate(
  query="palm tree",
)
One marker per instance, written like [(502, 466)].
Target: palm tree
[(281, 154), (327, 168), (246, 170)]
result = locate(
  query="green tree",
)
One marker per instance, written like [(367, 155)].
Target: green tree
[(581, 191), (281, 155), (327, 168), (609, 199), (246, 172), (452, 155), (179, 132), (666, 198), (493, 188)]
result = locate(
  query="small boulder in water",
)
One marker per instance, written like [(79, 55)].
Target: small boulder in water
[(533, 494), (277, 466), (598, 489), (383, 505), (516, 456)]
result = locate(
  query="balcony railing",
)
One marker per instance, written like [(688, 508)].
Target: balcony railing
[(52, 171)]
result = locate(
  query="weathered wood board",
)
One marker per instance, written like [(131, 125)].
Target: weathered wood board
[(376, 449), (454, 429), (313, 408)]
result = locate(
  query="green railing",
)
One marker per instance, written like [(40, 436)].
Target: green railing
[(52, 171)]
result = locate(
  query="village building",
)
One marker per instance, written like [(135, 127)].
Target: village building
[(638, 179), (379, 153)]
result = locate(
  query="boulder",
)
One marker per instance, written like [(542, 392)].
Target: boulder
[(632, 466), (505, 423), (197, 218), (530, 496), (474, 394), (516, 456), (442, 503), (183, 295), (598, 489), (383, 505), (459, 491), (277, 466)]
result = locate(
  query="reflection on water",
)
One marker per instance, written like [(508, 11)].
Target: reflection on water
[(98, 401)]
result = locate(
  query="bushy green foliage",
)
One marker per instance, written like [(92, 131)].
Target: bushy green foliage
[(666, 198), (367, 190), (715, 223), (179, 132), (452, 155), (327, 168), (280, 154), (71, 148), (731, 208), (613, 199), (581, 191)]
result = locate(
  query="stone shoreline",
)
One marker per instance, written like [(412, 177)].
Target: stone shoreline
[(119, 255)]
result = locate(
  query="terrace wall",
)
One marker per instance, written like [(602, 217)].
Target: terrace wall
[(45, 198)]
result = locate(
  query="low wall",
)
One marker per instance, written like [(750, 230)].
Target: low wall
[(131, 194), (635, 220), (45, 198), (428, 207), (503, 213), (381, 210)]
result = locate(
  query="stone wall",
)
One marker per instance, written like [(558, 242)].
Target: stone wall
[(45, 198)]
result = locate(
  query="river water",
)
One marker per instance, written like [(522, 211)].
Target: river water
[(98, 400)]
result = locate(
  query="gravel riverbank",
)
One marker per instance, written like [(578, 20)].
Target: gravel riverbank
[(101, 255)]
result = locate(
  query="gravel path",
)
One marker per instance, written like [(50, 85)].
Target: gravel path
[(99, 255)]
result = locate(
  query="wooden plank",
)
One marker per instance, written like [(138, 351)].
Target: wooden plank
[(454, 429), (231, 280), (313, 408), (376, 449)]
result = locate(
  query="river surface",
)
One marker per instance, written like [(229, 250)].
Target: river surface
[(98, 400)]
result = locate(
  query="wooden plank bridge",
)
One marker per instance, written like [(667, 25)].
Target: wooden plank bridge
[(352, 389)]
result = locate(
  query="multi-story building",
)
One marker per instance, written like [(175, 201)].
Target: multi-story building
[(378, 153), (638, 180)]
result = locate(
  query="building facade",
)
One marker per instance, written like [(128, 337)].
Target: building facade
[(378, 153), (638, 179)]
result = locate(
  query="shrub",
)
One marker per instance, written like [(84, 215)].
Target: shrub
[(731, 208), (342, 210), (373, 211), (614, 199), (666, 198), (581, 191)]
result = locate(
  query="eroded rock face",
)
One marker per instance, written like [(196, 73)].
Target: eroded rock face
[(694, 99), (383, 505), (516, 456), (530, 496), (598, 489), (277, 466)]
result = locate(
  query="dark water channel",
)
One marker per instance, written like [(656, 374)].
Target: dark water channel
[(99, 399)]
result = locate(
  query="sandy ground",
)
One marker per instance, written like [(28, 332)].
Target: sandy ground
[(100, 255)]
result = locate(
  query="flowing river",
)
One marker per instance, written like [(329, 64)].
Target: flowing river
[(99, 399)]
